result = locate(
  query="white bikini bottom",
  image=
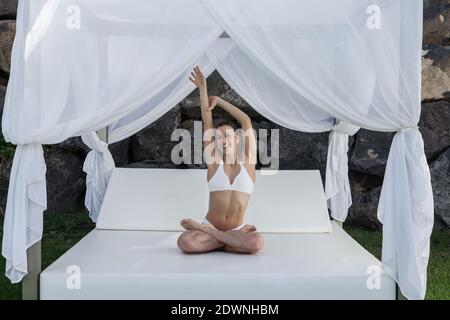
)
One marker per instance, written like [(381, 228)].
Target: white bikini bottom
[(205, 221)]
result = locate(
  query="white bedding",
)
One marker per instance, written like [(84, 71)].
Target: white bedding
[(147, 265), (132, 254), (157, 199)]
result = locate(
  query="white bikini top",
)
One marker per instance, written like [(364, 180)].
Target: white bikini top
[(220, 181)]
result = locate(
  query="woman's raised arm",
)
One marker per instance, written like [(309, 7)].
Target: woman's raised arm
[(234, 111), (199, 80), (246, 125)]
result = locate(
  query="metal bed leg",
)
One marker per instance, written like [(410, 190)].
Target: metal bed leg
[(399, 294), (30, 283)]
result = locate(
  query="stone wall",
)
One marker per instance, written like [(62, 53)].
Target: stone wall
[(368, 153)]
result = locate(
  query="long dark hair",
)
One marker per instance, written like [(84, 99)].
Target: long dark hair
[(225, 122)]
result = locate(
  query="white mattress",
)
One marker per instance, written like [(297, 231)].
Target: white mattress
[(157, 199), (147, 265)]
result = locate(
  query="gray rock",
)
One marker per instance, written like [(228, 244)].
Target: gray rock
[(194, 113), (436, 24), (8, 9), (154, 142), (66, 183), (440, 180), (440, 57), (188, 124), (190, 106), (370, 152), (432, 8), (190, 109), (435, 127), (363, 211), (7, 32), (363, 182), (65, 177), (120, 152), (264, 125), (2, 99), (365, 196), (216, 87), (303, 151), (436, 40), (74, 145), (435, 81)]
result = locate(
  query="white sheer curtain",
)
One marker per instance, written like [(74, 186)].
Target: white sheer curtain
[(265, 92), (159, 104), (360, 61), (86, 66), (260, 89)]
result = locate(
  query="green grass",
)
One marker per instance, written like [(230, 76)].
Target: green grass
[(438, 286), (6, 149), (62, 231)]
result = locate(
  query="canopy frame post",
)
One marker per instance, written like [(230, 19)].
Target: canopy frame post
[(30, 283), (103, 134)]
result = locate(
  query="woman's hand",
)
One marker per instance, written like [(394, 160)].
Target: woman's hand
[(213, 101), (197, 78)]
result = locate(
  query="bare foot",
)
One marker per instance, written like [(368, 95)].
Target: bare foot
[(191, 224), (248, 228)]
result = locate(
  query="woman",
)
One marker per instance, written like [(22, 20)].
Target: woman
[(230, 183)]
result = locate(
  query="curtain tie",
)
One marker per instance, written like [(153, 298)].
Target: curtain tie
[(98, 166), (345, 128), (404, 129)]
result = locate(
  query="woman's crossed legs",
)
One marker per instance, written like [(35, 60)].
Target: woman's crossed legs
[(204, 238)]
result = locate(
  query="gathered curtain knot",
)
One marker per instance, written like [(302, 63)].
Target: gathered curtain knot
[(98, 166), (408, 128), (344, 127), (341, 131), (93, 141), (102, 146)]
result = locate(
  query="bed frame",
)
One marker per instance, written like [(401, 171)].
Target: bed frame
[(144, 206), (132, 252)]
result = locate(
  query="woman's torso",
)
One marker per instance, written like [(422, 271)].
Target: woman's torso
[(227, 207)]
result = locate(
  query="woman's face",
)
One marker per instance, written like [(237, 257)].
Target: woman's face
[(226, 139)]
